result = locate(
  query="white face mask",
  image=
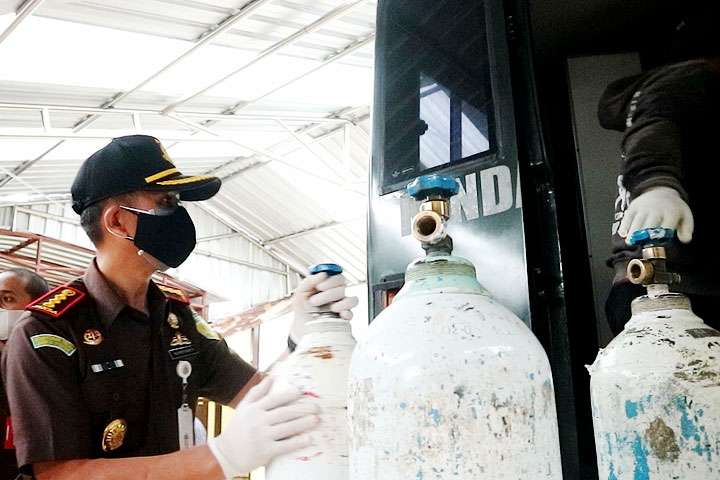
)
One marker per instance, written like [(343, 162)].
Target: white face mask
[(8, 320)]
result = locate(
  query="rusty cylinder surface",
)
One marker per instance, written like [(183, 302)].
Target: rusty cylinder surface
[(655, 392), (319, 367), (449, 384)]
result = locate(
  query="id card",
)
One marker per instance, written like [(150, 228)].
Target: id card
[(185, 427)]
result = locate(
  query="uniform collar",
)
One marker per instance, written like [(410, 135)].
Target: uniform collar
[(110, 304)]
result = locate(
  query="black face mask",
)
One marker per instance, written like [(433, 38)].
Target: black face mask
[(168, 237)]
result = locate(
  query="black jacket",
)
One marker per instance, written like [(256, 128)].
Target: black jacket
[(670, 117)]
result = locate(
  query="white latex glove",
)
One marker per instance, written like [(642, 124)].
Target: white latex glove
[(658, 207), (316, 290), (263, 427)]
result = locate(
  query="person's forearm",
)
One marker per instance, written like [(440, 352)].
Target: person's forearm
[(193, 463), (653, 156), (254, 380)]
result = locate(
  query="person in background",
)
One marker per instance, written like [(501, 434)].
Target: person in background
[(106, 370), (18, 287), (669, 168)]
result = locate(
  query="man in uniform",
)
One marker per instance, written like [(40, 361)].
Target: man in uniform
[(106, 369), (18, 287)]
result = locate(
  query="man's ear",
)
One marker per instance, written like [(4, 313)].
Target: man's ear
[(115, 221)]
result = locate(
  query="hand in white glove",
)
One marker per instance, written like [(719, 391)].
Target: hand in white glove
[(316, 290), (263, 427), (658, 207)]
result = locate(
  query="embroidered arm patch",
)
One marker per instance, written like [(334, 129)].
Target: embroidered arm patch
[(203, 327), (53, 341)]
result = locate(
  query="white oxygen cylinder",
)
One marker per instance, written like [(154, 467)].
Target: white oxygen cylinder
[(449, 384), (655, 389), (319, 367)]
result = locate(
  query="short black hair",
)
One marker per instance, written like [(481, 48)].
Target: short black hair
[(90, 222), (90, 216), (35, 285)]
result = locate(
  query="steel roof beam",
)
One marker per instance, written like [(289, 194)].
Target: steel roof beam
[(314, 140), (202, 41), (219, 237), (337, 12), (131, 111), (27, 9), (309, 149), (248, 236), (80, 136), (307, 231), (353, 47), (262, 153), (238, 261), (48, 216)]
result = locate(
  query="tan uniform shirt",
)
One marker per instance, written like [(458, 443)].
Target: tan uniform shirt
[(91, 377)]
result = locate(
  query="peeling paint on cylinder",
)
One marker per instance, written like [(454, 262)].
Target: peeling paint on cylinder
[(319, 367), (450, 384), (655, 395)]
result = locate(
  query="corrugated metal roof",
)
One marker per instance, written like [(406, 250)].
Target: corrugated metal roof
[(273, 96)]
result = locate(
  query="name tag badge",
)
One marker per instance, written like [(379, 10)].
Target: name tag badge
[(181, 347), (105, 366)]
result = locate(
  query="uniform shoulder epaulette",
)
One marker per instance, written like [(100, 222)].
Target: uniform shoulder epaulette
[(174, 293), (57, 301)]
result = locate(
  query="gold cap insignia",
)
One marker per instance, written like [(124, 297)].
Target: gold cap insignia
[(92, 337), (114, 434), (163, 151), (173, 321), (179, 339)]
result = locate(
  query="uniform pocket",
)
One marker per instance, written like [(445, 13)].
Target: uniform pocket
[(114, 403)]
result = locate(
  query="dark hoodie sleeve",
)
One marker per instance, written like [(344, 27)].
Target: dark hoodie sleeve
[(651, 109), (615, 101)]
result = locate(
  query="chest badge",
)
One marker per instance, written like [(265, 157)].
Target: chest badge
[(92, 337), (173, 321), (179, 339), (181, 347), (114, 435)]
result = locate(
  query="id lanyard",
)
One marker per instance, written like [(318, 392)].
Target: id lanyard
[(185, 414)]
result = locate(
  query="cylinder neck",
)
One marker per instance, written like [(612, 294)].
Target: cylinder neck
[(441, 273), (667, 301), (326, 322)]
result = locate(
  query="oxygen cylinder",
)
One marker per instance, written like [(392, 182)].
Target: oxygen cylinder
[(448, 383), (655, 388), (319, 367)]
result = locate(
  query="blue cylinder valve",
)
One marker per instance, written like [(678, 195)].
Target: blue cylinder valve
[(433, 185), (652, 236), (329, 268)]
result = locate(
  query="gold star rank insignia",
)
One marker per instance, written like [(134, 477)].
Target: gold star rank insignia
[(92, 337)]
